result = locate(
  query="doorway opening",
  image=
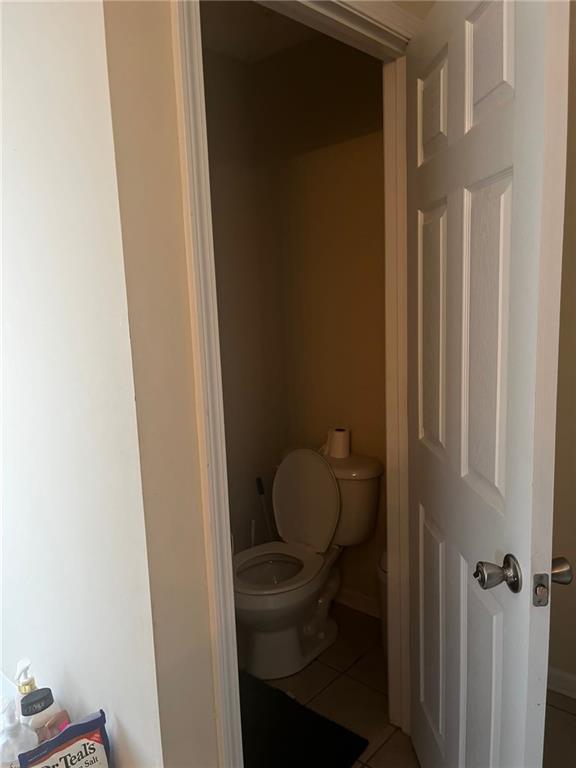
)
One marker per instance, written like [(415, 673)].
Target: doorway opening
[(295, 142)]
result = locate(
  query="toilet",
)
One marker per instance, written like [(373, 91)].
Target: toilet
[(283, 589)]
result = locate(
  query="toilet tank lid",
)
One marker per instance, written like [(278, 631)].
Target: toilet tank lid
[(355, 467)]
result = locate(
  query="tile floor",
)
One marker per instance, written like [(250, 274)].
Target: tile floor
[(348, 684)]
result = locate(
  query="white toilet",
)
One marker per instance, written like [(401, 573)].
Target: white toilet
[(283, 589)]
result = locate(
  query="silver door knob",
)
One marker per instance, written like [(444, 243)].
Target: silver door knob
[(489, 575), (561, 571)]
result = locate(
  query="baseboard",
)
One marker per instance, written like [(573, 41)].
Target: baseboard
[(359, 602), (562, 682)]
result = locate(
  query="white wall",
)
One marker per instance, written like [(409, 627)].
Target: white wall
[(142, 89), (74, 573)]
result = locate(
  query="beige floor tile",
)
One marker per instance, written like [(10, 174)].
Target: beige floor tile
[(371, 669), (308, 683), (559, 739), (559, 701), (397, 752), (349, 619), (358, 708), (357, 633)]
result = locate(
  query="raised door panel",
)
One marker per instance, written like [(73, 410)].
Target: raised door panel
[(432, 327), (432, 569), (482, 626), (487, 208), (433, 109), (490, 58)]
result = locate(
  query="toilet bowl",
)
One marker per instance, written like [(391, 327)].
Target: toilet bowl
[(283, 589), (277, 588)]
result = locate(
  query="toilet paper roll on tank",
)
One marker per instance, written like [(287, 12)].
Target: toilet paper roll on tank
[(337, 444), (347, 465)]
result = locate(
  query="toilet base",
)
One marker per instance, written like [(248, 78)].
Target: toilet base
[(281, 654), (271, 655)]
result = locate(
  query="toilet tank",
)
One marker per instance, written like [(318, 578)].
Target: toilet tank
[(359, 481)]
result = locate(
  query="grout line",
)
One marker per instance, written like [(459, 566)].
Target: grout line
[(367, 685), (340, 675), (325, 688), (380, 745), (323, 664), (356, 660), (342, 671), (334, 669)]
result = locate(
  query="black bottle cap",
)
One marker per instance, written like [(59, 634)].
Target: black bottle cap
[(36, 701)]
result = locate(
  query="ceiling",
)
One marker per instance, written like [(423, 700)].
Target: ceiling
[(418, 8), (247, 31)]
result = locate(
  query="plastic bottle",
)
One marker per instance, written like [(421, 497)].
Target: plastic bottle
[(15, 737), (41, 713), (25, 682)]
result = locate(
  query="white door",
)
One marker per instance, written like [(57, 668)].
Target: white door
[(486, 137)]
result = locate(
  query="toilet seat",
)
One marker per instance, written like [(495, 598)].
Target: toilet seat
[(306, 501), (307, 562)]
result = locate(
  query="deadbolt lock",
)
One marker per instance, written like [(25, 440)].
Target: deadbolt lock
[(489, 575)]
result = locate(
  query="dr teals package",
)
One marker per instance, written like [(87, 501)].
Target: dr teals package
[(80, 745)]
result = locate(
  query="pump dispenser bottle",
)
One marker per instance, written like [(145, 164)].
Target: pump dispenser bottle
[(25, 682), (41, 713)]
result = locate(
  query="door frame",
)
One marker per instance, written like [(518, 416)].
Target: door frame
[(396, 340), (382, 30)]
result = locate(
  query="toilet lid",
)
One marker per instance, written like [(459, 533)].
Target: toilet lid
[(306, 500)]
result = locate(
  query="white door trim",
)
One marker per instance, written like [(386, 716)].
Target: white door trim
[(397, 507), (189, 79), (193, 139)]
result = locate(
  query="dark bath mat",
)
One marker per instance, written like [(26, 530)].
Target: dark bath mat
[(278, 732)]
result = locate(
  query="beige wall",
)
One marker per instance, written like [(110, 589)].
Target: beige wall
[(248, 272), (419, 8), (563, 635), (296, 174), (138, 37), (335, 313), (325, 100), (75, 578)]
